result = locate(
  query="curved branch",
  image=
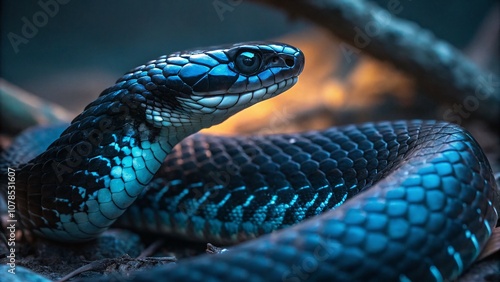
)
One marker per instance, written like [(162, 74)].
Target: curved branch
[(439, 68)]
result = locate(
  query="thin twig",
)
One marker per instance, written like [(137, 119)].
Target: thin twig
[(151, 249), (95, 265)]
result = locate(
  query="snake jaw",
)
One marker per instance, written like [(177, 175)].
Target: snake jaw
[(203, 88), (210, 110)]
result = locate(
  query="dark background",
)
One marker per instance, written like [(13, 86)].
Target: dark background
[(87, 45)]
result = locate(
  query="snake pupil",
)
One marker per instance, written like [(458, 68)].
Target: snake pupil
[(247, 62)]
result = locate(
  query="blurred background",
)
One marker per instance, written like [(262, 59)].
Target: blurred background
[(81, 47)]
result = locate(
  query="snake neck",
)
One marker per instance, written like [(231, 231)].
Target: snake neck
[(94, 170), (100, 164)]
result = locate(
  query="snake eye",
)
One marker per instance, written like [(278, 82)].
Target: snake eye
[(247, 62)]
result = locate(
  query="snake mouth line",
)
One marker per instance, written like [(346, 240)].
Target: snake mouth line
[(272, 90), (209, 104), (217, 105)]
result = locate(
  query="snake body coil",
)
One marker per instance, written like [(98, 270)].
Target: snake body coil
[(423, 213)]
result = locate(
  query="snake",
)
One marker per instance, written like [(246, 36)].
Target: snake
[(405, 200)]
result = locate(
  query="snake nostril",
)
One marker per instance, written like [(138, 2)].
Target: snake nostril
[(289, 62)]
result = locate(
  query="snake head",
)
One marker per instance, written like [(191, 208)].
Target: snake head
[(200, 88)]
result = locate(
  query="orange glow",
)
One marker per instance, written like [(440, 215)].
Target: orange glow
[(321, 89)]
